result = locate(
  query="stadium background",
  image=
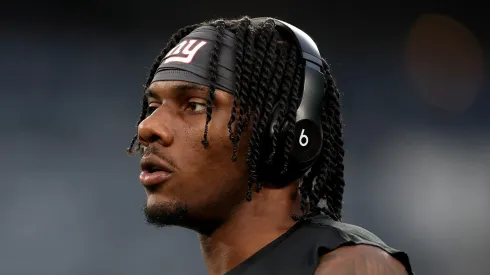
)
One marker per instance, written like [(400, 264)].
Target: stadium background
[(415, 98)]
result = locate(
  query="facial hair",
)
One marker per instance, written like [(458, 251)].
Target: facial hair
[(166, 214)]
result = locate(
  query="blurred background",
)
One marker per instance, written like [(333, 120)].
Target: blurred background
[(414, 78)]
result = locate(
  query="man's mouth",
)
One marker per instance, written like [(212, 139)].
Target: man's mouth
[(154, 171)]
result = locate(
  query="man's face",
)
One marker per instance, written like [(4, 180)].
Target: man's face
[(202, 185)]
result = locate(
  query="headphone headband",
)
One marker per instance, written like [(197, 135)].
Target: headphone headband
[(308, 47), (308, 132)]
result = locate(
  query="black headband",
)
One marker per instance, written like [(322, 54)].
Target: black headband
[(189, 60)]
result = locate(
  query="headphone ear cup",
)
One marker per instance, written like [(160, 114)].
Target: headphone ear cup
[(271, 168), (299, 157), (274, 123)]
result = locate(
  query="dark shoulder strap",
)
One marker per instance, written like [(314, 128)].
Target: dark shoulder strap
[(299, 250), (348, 234)]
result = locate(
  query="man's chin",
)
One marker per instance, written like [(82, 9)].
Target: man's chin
[(169, 214), (166, 214)]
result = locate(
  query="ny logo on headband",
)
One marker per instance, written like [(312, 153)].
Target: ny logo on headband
[(184, 52)]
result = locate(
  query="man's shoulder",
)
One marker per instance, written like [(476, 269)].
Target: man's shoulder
[(360, 260), (349, 232), (357, 244)]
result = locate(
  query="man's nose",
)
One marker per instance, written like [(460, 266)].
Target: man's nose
[(156, 128)]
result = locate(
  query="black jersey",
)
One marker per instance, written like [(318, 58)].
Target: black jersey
[(298, 251)]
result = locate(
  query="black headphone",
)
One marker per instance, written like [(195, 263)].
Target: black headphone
[(308, 134)]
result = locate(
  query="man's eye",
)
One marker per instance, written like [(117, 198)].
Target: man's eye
[(196, 107), (151, 109)]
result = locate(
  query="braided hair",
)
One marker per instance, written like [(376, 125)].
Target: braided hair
[(267, 71)]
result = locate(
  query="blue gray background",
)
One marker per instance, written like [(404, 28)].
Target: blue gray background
[(71, 79)]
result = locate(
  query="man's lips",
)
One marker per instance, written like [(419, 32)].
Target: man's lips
[(149, 179), (154, 170)]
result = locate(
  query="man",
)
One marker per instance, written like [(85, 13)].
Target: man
[(221, 155)]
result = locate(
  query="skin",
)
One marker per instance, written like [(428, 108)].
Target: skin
[(212, 189), (206, 182), (359, 260)]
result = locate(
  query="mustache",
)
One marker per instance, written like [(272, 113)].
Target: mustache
[(152, 150)]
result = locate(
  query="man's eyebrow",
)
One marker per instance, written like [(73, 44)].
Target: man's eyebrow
[(180, 88), (151, 94)]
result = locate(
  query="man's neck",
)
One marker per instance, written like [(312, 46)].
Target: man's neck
[(252, 227)]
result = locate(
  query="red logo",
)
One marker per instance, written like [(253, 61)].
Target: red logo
[(184, 52)]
